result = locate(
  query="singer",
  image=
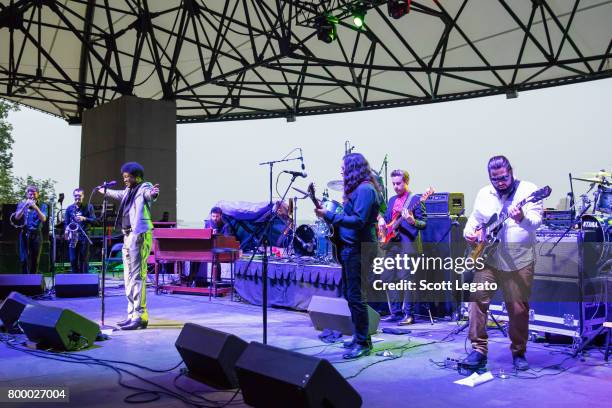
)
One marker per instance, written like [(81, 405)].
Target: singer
[(134, 214), (33, 214)]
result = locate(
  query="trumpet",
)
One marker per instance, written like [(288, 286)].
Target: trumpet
[(16, 219)]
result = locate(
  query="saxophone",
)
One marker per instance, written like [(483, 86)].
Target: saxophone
[(72, 230)]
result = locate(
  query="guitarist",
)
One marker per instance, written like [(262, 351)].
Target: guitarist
[(511, 264), (401, 304), (356, 225)]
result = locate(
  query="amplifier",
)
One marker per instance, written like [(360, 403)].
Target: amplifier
[(445, 203), (557, 219), (562, 259)]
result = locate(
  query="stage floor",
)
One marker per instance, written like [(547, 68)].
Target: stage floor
[(411, 379)]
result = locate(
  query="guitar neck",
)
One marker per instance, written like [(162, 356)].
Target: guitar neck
[(505, 215)]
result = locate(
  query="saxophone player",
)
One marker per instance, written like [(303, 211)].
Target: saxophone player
[(79, 217), (31, 214)]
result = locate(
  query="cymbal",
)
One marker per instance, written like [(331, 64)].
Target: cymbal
[(598, 175), (592, 180), (336, 185)]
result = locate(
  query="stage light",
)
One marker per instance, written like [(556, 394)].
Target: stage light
[(326, 28), (359, 13), (398, 8)]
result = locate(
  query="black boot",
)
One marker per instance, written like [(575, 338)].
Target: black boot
[(349, 343), (358, 350), (124, 322), (520, 362)]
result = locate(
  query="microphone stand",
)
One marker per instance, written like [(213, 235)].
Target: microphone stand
[(385, 165), (103, 267), (265, 239), (53, 246)]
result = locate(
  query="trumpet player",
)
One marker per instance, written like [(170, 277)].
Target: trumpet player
[(79, 217), (31, 214)]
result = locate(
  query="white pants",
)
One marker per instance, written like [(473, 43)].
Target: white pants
[(136, 249)]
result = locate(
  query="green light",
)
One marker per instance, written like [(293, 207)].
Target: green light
[(359, 17)]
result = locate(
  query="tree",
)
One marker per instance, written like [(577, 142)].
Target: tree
[(12, 189), (7, 192), (45, 186)]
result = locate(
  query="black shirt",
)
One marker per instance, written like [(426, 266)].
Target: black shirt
[(357, 221)]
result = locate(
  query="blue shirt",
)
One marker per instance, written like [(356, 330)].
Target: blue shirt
[(86, 211), (30, 217)]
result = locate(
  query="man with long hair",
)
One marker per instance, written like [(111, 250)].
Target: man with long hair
[(356, 225), (510, 266), (134, 216)]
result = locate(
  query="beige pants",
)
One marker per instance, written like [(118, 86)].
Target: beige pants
[(516, 286), (136, 249)]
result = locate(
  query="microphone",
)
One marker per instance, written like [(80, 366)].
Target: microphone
[(61, 198), (302, 159), (107, 184), (296, 173)]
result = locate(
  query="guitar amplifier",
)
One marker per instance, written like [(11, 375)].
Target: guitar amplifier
[(561, 303), (445, 204)]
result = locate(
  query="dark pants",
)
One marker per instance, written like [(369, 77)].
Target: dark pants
[(516, 286), (401, 302), (79, 257), (354, 293), (30, 245)]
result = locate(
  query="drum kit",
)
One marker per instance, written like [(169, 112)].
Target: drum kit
[(312, 240), (596, 227)]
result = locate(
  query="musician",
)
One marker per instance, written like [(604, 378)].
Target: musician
[(134, 217), (356, 225), (401, 303), (511, 265), (32, 214), (217, 224), (79, 216), (200, 269)]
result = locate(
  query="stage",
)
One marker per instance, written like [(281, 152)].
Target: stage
[(409, 378)]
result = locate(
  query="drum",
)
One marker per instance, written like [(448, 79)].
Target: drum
[(304, 240), (604, 200), (332, 205), (596, 238)]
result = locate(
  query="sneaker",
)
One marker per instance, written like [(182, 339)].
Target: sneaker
[(475, 360)]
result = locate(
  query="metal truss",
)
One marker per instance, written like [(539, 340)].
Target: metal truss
[(255, 59)]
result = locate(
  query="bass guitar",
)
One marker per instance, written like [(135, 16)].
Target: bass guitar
[(390, 230), (488, 231)]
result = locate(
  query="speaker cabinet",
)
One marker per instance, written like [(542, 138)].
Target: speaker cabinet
[(271, 377), (12, 307), (29, 285), (76, 284), (60, 329), (210, 355), (333, 313)]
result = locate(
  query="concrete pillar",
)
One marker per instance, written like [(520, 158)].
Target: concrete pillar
[(131, 129)]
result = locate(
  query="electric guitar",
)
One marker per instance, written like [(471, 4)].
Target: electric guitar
[(333, 233), (390, 230), (488, 231)]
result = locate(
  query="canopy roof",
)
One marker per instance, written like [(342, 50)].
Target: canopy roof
[(252, 59)]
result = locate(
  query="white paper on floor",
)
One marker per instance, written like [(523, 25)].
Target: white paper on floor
[(475, 379)]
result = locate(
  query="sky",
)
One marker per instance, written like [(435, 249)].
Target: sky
[(545, 133)]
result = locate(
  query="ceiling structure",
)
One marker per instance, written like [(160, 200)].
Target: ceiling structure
[(256, 59)]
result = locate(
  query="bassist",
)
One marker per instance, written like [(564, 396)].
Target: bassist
[(511, 265), (401, 303)]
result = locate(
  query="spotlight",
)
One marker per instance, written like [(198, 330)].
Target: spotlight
[(398, 8), (359, 13), (326, 28)]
